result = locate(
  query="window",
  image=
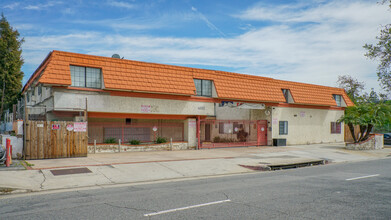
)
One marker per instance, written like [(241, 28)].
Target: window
[(221, 128), (86, 77), (225, 128), (39, 90), (28, 97), (283, 128), (203, 87), (286, 94), (335, 128), (337, 99)]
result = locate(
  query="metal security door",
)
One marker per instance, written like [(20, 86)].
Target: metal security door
[(262, 132)]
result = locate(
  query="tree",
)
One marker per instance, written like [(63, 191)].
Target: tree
[(351, 85), (10, 63), (367, 116), (382, 51)]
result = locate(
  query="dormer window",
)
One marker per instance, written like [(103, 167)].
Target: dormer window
[(203, 87), (338, 100), (39, 90), (86, 77), (288, 96)]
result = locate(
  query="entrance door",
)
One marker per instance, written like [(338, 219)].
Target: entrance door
[(207, 132), (263, 132)]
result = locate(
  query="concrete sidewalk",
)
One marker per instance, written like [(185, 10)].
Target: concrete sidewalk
[(136, 167)]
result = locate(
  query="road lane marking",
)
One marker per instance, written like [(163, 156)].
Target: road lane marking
[(187, 207), (362, 177)]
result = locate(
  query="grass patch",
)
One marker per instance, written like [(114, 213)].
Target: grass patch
[(161, 140), (110, 141), (134, 142)]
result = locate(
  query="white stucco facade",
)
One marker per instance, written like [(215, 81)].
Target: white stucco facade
[(306, 125), (103, 102)]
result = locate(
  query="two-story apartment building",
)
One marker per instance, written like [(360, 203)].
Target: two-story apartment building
[(132, 100)]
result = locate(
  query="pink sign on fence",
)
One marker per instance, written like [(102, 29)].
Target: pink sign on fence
[(55, 126), (80, 126)]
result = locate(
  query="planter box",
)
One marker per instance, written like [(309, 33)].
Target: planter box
[(112, 148), (375, 142)]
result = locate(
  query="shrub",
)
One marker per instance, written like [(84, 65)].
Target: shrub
[(160, 140), (134, 142), (110, 141), (217, 139)]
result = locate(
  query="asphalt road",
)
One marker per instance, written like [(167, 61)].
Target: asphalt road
[(360, 190)]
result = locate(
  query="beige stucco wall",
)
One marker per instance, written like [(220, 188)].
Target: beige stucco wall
[(101, 102), (190, 133), (307, 126)]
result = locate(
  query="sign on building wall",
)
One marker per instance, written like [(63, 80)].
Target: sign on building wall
[(241, 105), (145, 108), (149, 108), (80, 126), (192, 124)]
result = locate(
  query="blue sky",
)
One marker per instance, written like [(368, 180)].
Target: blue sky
[(310, 41)]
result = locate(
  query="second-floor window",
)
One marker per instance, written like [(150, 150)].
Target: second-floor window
[(203, 87), (337, 99), (287, 95), (86, 77)]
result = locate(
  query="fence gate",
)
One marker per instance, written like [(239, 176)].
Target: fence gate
[(232, 133), (348, 136), (55, 139)]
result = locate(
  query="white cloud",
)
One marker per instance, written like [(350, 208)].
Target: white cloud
[(125, 23), (315, 52), (121, 4), (12, 5), (42, 6), (68, 11), (208, 23)]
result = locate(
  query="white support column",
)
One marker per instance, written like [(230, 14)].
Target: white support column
[(190, 132)]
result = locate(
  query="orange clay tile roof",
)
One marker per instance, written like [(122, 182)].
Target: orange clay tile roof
[(128, 75)]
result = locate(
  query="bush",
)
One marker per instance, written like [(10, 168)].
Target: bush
[(217, 139), (160, 140), (110, 141), (134, 142)]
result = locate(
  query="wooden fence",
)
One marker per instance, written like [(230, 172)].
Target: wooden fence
[(55, 139), (348, 135)]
